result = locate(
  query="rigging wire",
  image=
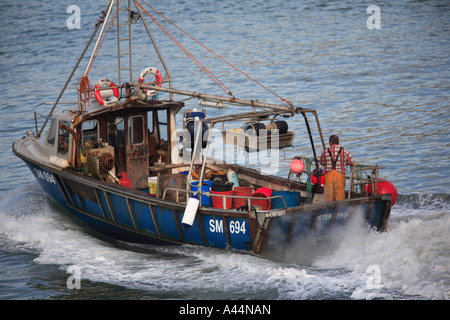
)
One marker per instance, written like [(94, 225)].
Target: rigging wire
[(231, 65), (84, 85), (104, 36), (190, 55)]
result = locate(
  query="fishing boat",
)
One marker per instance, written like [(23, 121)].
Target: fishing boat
[(116, 160)]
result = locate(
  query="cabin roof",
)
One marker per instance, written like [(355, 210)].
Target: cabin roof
[(132, 107)]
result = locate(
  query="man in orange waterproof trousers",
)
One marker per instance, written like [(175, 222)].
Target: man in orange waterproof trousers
[(335, 160)]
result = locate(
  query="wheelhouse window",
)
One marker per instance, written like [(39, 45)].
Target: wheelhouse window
[(63, 138), (150, 121), (89, 131), (118, 133), (136, 129), (162, 124), (51, 135)]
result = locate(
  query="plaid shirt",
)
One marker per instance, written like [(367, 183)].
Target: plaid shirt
[(345, 158)]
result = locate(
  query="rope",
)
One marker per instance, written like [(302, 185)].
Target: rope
[(231, 65), (85, 89)]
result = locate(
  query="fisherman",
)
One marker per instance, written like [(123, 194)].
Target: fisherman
[(335, 160)]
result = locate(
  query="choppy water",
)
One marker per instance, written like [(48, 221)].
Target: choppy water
[(385, 92)]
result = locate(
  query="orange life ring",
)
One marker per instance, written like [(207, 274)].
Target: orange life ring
[(106, 82), (157, 75)]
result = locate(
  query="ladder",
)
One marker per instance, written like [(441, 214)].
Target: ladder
[(125, 63)]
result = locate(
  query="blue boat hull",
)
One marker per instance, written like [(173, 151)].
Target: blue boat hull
[(125, 214), (128, 215)]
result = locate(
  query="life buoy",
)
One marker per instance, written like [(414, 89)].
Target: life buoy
[(109, 83), (157, 75)]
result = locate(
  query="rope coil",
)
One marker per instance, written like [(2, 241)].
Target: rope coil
[(85, 88)]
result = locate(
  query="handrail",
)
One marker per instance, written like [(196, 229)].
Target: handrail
[(372, 179), (46, 117)]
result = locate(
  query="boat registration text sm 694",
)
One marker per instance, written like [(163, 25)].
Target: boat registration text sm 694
[(235, 226)]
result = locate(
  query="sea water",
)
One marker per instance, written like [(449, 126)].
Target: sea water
[(384, 91)]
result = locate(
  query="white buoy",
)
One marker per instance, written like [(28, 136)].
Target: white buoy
[(190, 212), (59, 162)]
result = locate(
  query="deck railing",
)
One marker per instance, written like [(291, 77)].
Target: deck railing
[(356, 179)]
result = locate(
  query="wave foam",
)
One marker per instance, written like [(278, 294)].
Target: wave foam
[(412, 258)]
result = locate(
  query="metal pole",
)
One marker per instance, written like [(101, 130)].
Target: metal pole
[(99, 36), (69, 79), (206, 153), (221, 98), (194, 151), (312, 142), (155, 46), (320, 129)]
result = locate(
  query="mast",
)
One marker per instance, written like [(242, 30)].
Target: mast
[(97, 26), (167, 76), (108, 12), (126, 39)]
